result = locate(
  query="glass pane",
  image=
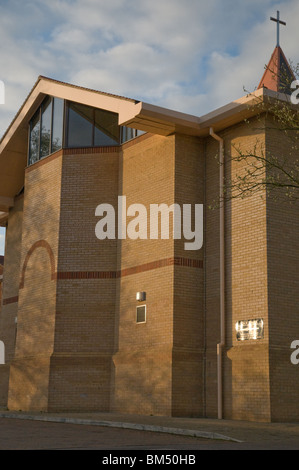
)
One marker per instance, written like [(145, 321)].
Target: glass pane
[(34, 139), (128, 133), (80, 124), (57, 130), (45, 148), (106, 130)]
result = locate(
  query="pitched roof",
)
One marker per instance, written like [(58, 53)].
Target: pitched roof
[(131, 113), (278, 74), (42, 78)]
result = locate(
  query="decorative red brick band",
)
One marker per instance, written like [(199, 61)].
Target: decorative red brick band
[(39, 244), (11, 300), (91, 150), (87, 275), (176, 261)]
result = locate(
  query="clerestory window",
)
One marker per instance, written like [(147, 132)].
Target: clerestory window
[(65, 124), (91, 127), (46, 129)]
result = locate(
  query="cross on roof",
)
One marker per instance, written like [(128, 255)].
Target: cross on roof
[(279, 22)]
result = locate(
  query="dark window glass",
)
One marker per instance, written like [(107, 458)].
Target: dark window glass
[(80, 125), (57, 129), (46, 129), (106, 130), (141, 314), (85, 127), (34, 138), (45, 147), (128, 133)]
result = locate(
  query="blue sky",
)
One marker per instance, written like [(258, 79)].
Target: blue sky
[(191, 56), (2, 235)]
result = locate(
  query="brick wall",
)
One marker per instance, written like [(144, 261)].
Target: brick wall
[(246, 368), (143, 371), (78, 345), (29, 375), (81, 365), (10, 292), (188, 310), (283, 286)]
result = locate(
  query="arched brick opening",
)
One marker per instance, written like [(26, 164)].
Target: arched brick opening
[(38, 244)]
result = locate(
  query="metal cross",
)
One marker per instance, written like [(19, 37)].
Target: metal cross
[(277, 20)]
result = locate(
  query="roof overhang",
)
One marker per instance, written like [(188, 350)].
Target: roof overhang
[(132, 113), (163, 121), (14, 143)]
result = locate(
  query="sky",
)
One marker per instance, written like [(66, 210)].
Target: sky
[(2, 239), (192, 56)]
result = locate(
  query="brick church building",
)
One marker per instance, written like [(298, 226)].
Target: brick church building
[(144, 325)]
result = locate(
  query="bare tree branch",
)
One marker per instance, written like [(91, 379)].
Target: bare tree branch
[(260, 170)]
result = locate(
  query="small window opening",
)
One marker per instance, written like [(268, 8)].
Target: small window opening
[(141, 314)]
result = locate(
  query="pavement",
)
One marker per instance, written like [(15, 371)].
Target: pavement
[(223, 430)]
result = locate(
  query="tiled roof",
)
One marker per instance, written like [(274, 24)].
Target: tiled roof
[(278, 74)]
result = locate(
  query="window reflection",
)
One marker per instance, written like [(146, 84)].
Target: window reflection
[(57, 131), (85, 127), (80, 124), (34, 138), (90, 127), (46, 129), (127, 133), (106, 130), (46, 121)]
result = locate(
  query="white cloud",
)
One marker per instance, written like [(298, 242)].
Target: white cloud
[(193, 56), (230, 75)]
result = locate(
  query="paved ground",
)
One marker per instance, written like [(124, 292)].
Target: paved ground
[(115, 431), (37, 435)]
